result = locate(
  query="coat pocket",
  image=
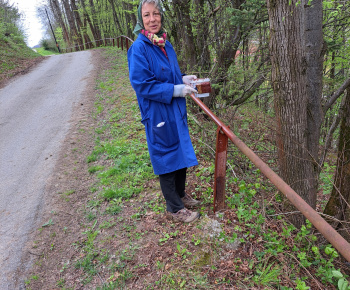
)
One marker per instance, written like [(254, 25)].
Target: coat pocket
[(165, 134)]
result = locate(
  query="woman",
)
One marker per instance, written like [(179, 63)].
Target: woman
[(161, 90)]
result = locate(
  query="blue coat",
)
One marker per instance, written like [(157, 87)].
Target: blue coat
[(153, 76)]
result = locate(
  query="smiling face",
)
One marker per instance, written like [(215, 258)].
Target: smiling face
[(152, 20)]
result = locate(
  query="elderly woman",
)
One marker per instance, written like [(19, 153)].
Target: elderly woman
[(161, 90)]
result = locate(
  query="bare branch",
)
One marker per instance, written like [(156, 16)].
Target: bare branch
[(336, 95)]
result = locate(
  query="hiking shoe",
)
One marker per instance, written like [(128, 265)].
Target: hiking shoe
[(189, 201), (184, 215)]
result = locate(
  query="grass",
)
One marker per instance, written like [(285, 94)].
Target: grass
[(15, 56), (127, 242), (45, 52)]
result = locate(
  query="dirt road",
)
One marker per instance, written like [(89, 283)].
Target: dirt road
[(35, 110)]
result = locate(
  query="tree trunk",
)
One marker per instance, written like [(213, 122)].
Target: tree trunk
[(73, 29), (88, 20), (297, 85), (338, 204), (58, 15), (127, 18), (115, 17), (95, 24), (182, 10), (81, 27), (202, 39)]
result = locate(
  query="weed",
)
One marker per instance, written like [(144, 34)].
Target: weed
[(49, 223), (94, 169)]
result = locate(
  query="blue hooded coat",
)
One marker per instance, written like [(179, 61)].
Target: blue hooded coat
[(153, 76)]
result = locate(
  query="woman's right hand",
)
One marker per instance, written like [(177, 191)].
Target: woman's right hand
[(183, 91)]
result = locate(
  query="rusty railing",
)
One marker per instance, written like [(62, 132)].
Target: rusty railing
[(223, 134), (113, 41)]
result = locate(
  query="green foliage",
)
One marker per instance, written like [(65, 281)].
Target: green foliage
[(267, 275), (9, 23), (48, 45), (246, 14)]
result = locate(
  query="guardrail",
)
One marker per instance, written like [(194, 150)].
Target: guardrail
[(112, 41), (223, 134)]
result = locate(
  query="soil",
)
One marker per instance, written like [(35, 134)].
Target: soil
[(23, 66)]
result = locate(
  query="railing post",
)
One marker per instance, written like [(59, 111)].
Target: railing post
[(220, 169), (113, 43), (121, 40), (127, 44)]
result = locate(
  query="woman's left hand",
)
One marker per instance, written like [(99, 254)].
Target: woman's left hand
[(188, 79)]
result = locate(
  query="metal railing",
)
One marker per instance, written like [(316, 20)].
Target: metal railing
[(119, 41), (223, 134)]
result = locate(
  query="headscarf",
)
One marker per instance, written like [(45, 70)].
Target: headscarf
[(139, 24)]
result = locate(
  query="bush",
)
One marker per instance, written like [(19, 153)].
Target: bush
[(48, 44)]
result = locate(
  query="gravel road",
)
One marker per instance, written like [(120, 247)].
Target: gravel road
[(35, 110)]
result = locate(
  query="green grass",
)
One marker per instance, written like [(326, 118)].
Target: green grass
[(45, 52), (15, 55)]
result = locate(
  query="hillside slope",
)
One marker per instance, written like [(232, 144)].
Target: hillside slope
[(15, 57)]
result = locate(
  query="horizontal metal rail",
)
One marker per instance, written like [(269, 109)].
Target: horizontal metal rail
[(119, 43), (320, 224)]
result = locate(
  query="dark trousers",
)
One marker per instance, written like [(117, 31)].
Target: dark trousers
[(173, 188)]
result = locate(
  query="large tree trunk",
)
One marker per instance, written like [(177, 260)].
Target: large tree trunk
[(338, 204), (295, 47)]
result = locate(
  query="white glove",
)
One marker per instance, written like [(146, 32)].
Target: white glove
[(188, 79), (183, 91)]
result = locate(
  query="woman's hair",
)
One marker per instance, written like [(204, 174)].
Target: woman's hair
[(156, 2)]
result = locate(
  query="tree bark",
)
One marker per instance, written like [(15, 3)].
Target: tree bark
[(94, 23), (295, 47), (338, 204), (182, 12), (115, 17), (81, 27), (76, 38), (58, 15)]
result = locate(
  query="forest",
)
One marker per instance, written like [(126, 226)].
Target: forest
[(290, 59)]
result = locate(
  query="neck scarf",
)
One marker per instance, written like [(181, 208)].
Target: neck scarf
[(155, 38), (139, 25)]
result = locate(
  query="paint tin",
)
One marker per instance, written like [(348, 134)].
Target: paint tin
[(202, 86)]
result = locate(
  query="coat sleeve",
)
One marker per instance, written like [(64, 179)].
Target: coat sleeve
[(143, 80)]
